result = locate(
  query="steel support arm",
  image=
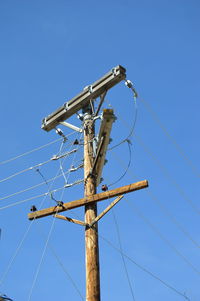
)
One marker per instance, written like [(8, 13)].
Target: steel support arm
[(91, 92)]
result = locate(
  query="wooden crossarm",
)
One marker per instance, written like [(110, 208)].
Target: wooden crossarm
[(87, 200)]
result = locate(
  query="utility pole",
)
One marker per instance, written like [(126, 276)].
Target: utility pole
[(91, 233), (94, 158)]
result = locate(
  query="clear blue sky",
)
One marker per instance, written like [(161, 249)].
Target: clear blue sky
[(49, 51)]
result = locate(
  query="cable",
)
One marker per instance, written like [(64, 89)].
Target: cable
[(168, 135), (127, 168), (31, 198), (163, 208), (65, 271), (122, 256), (132, 128), (38, 165), (176, 185), (44, 251), (24, 170), (2, 279), (140, 266), (145, 270), (41, 260), (177, 252), (172, 218), (34, 150), (154, 228), (40, 184), (166, 173)]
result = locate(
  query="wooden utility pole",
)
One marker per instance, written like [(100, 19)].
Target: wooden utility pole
[(94, 158), (91, 233)]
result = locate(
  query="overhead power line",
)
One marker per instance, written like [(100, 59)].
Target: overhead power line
[(155, 229), (163, 208), (34, 150), (169, 136), (145, 270)]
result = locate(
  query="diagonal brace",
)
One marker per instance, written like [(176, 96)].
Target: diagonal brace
[(88, 200), (106, 210), (69, 219), (75, 221)]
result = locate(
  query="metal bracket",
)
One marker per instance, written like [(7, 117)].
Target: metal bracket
[(71, 126)]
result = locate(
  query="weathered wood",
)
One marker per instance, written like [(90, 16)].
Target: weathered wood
[(106, 210), (108, 118), (69, 219), (89, 199), (91, 234)]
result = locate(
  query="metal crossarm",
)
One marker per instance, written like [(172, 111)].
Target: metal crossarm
[(91, 92)]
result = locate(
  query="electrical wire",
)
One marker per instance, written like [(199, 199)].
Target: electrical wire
[(2, 279), (37, 165), (45, 247), (166, 173), (168, 176), (40, 184), (122, 256), (172, 218), (163, 208), (34, 150), (127, 168), (31, 198), (25, 170), (69, 277), (132, 128), (155, 229), (122, 253), (169, 136), (41, 260), (144, 269)]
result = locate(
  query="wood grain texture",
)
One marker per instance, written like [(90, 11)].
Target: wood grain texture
[(91, 234), (89, 199)]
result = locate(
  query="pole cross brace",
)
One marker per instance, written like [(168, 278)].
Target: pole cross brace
[(106, 210), (75, 221), (88, 200)]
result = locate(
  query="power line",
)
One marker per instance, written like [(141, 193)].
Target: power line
[(40, 184), (168, 135), (34, 150), (164, 170), (166, 173), (175, 290), (169, 243), (65, 271), (122, 256), (172, 218), (154, 228), (164, 209), (54, 158), (23, 239), (41, 260), (127, 168), (45, 247), (24, 170), (144, 269), (132, 128)]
